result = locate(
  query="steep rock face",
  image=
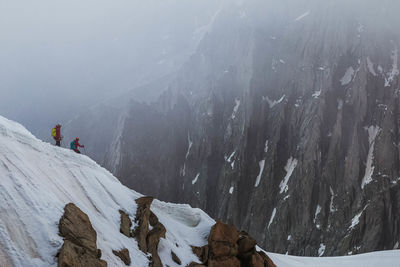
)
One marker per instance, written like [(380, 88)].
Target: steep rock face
[(285, 125)]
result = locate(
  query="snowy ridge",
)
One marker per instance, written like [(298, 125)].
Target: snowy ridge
[(38, 180)]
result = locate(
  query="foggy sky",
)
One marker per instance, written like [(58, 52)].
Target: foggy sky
[(58, 57)]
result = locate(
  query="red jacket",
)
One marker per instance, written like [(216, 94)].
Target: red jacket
[(58, 132), (77, 144), (58, 136)]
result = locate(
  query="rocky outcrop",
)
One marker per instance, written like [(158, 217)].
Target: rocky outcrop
[(175, 258), (148, 240), (227, 247), (123, 255), (79, 248), (126, 224)]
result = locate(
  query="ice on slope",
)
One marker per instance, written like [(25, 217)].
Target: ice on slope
[(38, 180)]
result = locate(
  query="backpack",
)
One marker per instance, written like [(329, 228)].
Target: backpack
[(53, 132), (72, 145)]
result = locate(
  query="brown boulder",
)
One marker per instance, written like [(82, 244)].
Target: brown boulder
[(222, 249), (148, 240), (195, 264), (142, 219), (201, 253), (123, 255), (175, 258), (267, 260), (222, 232), (72, 255), (229, 262), (126, 224), (75, 226), (223, 241), (152, 240), (246, 244), (79, 248)]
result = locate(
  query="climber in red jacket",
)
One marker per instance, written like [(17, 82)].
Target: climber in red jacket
[(75, 145), (56, 133)]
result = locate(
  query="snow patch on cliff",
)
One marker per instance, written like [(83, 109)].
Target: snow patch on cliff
[(370, 67), (348, 76), (317, 212), (356, 219), (289, 168), (261, 165), (231, 190), (373, 132), (271, 220), (321, 250), (235, 108), (302, 16), (395, 68), (316, 94), (266, 147), (195, 179), (273, 103)]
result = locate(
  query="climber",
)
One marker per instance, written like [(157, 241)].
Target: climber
[(56, 133), (75, 145)]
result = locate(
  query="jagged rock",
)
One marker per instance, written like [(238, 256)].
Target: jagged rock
[(175, 258), (246, 243), (123, 255), (228, 262), (75, 226), (148, 240), (126, 224), (267, 260), (195, 264), (223, 241), (79, 248), (201, 253), (72, 255), (142, 219), (153, 238)]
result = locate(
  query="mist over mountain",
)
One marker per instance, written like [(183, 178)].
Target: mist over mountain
[(284, 122), (281, 118), (59, 58)]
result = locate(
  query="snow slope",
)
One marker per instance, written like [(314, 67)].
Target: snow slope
[(375, 259), (38, 180)]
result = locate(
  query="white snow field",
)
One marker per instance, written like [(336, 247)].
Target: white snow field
[(374, 259), (38, 179)]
